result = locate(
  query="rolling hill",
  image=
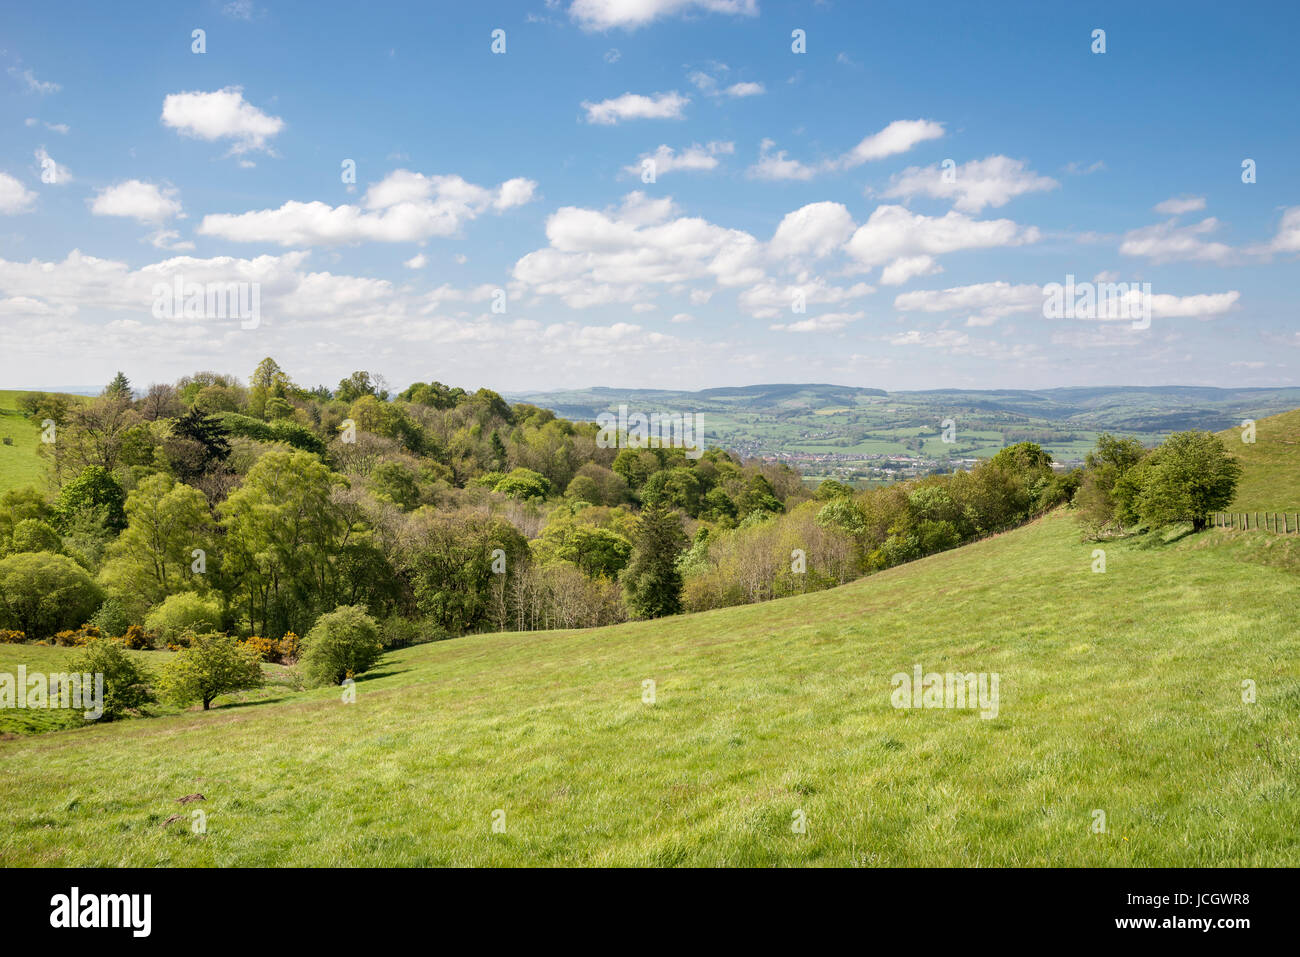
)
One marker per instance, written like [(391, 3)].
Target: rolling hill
[(1119, 692), (19, 463), (1271, 477)]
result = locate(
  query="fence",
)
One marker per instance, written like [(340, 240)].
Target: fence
[(1284, 523)]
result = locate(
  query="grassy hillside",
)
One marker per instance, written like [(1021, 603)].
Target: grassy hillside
[(1118, 692), (19, 463), (1271, 480)]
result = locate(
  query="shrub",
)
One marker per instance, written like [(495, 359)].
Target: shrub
[(268, 649), (342, 644), (42, 593), (10, 637), (33, 535), (135, 638), (181, 613), (111, 619), (126, 683), (212, 665), (77, 637)]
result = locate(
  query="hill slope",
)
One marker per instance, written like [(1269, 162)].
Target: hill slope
[(1271, 477), (19, 463), (1119, 692)]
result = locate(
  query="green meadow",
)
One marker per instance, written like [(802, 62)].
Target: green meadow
[(1120, 692)]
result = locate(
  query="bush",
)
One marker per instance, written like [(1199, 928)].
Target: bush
[(344, 643), (268, 649), (10, 637), (42, 593), (212, 665), (111, 619), (135, 638), (181, 613), (126, 683), (33, 535), (78, 637)]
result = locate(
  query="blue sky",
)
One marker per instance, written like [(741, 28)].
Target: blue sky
[(500, 230)]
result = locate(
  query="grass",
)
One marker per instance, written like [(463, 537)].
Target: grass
[(1271, 479), (1119, 692), (19, 463)]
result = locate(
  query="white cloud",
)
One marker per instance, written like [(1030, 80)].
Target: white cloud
[(635, 106), (682, 317), (403, 207), (596, 257), (993, 181), (239, 10), (770, 300), (739, 90), (630, 14), (893, 233), (775, 166), (956, 342), (61, 128), (1178, 205), (31, 84), (816, 230), (52, 172), (827, 322), (418, 261), (134, 199), (1169, 242), (898, 137), (693, 157), (223, 114), (1287, 239), (908, 267), (14, 196), (986, 302)]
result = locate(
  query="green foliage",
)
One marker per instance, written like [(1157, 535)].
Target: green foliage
[(1183, 480), (212, 665), (342, 644), (126, 682), (111, 619), (34, 535), (652, 582), (525, 484), (290, 433), (93, 490), (184, 613), (42, 593)]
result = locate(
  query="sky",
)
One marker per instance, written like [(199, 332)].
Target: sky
[(651, 193)]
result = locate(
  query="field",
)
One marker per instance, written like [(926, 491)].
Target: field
[(1271, 480), (1120, 692), (19, 463)]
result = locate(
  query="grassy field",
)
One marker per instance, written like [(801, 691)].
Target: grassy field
[(1271, 480), (1119, 692), (19, 463)]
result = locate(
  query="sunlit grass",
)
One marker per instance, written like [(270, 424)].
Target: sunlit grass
[(1120, 692)]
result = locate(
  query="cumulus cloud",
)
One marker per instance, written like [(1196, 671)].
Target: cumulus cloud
[(1169, 242), (772, 300), (1178, 205), (635, 106), (31, 84), (630, 14), (993, 181), (221, 115), (138, 200), (986, 302), (826, 322), (894, 233), (816, 230), (693, 157), (1287, 239), (596, 257), (403, 207), (776, 166), (908, 267), (14, 196), (898, 137)]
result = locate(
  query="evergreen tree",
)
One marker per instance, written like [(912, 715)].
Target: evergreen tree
[(652, 581), (120, 387)]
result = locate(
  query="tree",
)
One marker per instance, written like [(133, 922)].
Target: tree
[(183, 613), (283, 533), (33, 535), (42, 593), (119, 388), (154, 556), (126, 683), (1104, 497), (522, 483), (93, 434), (268, 381), (1188, 477), (93, 490), (212, 665), (343, 643), (652, 582), (198, 443)]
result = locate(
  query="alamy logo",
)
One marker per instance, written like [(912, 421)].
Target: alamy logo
[(1098, 300), (213, 300), (103, 910), (38, 690), (657, 430), (948, 690)]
